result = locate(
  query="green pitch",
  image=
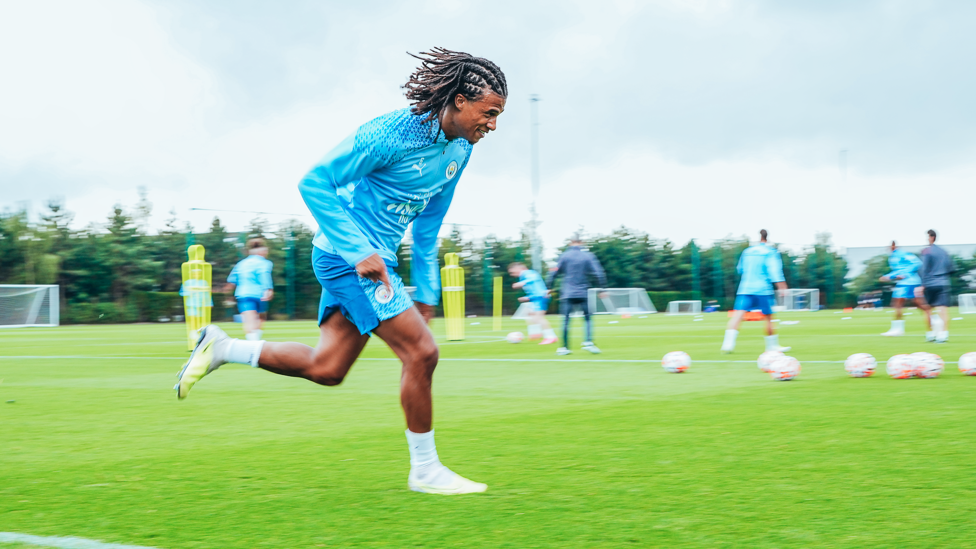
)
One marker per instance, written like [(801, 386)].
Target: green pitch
[(578, 451)]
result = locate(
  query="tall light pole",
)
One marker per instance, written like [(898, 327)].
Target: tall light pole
[(534, 223)]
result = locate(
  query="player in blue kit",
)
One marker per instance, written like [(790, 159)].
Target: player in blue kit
[(250, 280), (537, 295), (761, 268), (904, 273), (398, 169)]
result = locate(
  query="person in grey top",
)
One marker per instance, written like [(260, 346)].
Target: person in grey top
[(936, 289), (577, 266)]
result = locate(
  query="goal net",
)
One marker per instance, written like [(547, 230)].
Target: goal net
[(619, 301), (798, 299), (684, 307), (967, 303), (26, 306)]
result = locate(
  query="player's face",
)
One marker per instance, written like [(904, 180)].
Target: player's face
[(476, 118)]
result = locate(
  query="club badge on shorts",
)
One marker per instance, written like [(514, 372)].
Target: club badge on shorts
[(383, 294)]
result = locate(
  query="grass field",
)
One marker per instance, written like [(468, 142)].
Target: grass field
[(578, 451)]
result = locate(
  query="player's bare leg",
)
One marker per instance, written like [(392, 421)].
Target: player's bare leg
[(340, 344), (548, 334), (732, 331), (252, 323), (772, 340)]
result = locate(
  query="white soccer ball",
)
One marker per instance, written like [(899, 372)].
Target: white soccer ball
[(900, 367), (676, 362), (767, 359), (860, 365), (784, 368), (927, 365), (514, 337), (967, 364)]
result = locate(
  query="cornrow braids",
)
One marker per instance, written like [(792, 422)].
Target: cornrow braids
[(443, 74)]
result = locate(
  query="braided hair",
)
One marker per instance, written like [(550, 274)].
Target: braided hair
[(443, 74)]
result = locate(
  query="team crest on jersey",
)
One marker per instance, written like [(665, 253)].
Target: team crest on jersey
[(451, 169)]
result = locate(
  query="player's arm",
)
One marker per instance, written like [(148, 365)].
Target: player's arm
[(518, 285), (556, 272), (267, 283), (232, 280), (424, 269), (774, 266), (346, 163)]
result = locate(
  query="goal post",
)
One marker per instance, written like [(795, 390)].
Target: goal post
[(619, 301), (29, 305), (686, 307), (798, 299), (967, 304)]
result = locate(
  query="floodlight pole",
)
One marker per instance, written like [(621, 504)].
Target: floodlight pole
[(534, 223)]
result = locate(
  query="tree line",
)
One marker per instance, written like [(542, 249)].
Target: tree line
[(121, 271)]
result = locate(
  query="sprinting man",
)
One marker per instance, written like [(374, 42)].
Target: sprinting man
[(397, 169), (904, 273), (935, 290), (250, 280), (761, 268), (577, 266), (537, 295)]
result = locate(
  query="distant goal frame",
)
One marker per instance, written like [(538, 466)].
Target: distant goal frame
[(38, 295), (639, 302)]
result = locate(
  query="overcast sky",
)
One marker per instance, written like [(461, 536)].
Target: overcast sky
[(684, 119)]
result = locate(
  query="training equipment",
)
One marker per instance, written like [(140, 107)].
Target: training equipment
[(497, 305), (860, 365), (201, 361), (967, 364), (29, 306), (784, 368), (927, 365), (900, 367), (196, 292), (452, 294), (767, 359), (676, 362), (619, 301), (684, 307), (514, 337), (967, 304), (798, 299)]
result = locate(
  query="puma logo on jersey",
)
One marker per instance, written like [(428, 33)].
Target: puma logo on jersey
[(419, 166)]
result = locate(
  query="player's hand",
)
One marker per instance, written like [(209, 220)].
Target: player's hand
[(885, 279), (268, 295), (374, 269), (920, 291), (426, 311)]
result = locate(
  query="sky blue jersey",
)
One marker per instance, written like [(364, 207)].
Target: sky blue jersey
[(534, 285), (760, 267), (394, 170), (251, 276), (904, 264)]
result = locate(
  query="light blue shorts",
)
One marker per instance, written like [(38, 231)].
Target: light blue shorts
[(344, 291), (904, 292)]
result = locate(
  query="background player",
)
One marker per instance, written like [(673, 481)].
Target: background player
[(761, 268), (250, 280), (904, 273), (397, 169), (936, 289), (537, 295), (577, 266)]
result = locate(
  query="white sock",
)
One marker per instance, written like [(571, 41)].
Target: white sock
[(239, 351), (422, 449), (898, 325), (772, 342), (730, 336), (534, 329), (549, 334), (253, 336)]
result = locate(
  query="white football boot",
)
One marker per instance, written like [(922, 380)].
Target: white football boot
[(563, 351), (589, 346), (435, 478), (203, 360)]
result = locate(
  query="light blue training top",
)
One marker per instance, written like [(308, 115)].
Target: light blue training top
[(534, 287), (760, 267), (394, 170), (904, 264), (252, 276)]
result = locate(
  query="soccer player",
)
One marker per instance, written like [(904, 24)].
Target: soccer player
[(250, 280), (394, 170), (761, 268), (904, 269), (935, 290), (577, 266), (537, 295)]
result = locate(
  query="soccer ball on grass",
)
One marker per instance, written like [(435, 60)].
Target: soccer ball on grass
[(767, 359), (784, 368), (860, 365), (967, 364), (676, 362), (514, 337), (927, 365), (900, 367)]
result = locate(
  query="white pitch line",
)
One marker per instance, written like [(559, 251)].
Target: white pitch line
[(63, 543)]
